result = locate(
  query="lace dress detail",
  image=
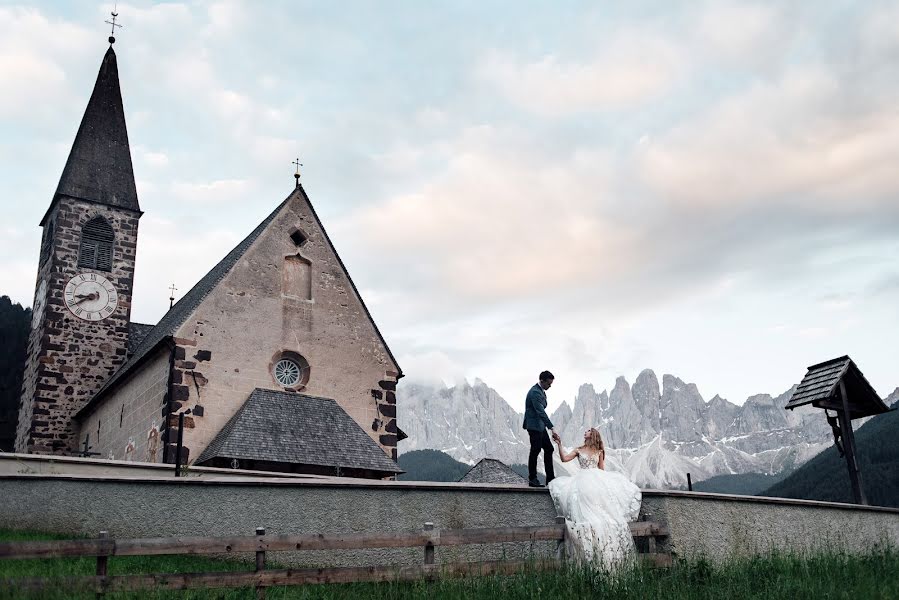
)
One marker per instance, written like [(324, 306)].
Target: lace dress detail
[(588, 461), (597, 506)]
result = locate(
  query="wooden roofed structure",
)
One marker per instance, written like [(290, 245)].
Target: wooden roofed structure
[(839, 385)]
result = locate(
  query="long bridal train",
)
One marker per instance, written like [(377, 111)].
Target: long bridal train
[(597, 506)]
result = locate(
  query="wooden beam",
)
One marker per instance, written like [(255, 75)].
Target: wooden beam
[(184, 581), (855, 478), (275, 543)]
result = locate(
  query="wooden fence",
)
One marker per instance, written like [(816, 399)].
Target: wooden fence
[(261, 544)]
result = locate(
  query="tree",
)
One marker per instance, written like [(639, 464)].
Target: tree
[(15, 323)]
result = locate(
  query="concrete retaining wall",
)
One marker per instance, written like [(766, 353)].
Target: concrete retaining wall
[(718, 526), (712, 525), (145, 507)]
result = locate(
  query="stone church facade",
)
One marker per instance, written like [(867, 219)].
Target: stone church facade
[(272, 356)]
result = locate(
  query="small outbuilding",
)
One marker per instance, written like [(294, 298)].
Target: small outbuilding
[(490, 470)]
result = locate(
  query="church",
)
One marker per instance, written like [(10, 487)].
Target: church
[(271, 361)]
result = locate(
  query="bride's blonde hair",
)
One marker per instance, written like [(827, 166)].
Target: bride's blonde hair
[(594, 442)]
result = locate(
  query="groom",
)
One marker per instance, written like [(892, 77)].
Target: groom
[(536, 422)]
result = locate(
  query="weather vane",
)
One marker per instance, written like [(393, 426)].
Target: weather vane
[(297, 174), (113, 24), (172, 289)]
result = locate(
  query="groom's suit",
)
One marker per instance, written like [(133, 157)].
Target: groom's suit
[(536, 422)]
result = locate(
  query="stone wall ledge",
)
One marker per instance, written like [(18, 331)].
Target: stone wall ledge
[(270, 481), (767, 500)]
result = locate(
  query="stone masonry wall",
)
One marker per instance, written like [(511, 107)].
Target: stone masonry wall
[(232, 341), (69, 359), (127, 425)]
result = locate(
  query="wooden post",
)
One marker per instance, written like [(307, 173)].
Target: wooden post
[(260, 562), (429, 546), (560, 546), (689, 483), (102, 561), (855, 477)]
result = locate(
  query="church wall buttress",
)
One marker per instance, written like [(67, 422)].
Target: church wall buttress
[(69, 359)]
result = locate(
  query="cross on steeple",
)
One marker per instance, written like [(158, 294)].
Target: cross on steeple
[(297, 174), (113, 24), (172, 289)]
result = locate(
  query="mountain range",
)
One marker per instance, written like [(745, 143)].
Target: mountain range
[(655, 432)]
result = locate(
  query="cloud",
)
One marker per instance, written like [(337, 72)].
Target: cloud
[(749, 34), (219, 191), (173, 252), (802, 140), (36, 56), (632, 67)]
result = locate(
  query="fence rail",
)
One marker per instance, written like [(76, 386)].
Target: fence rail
[(105, 547)]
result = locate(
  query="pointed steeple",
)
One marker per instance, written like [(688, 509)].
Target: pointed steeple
[(99, 165)]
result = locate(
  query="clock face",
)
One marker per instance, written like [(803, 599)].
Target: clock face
[(91, 297), (40, 301)]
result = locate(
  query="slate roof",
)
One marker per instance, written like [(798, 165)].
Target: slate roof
[(99, 165), (295, 428), (490, 470), (136, 334), (178, 314), (820, 387)]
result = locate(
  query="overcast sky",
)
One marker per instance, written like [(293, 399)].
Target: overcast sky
[(709, 190)]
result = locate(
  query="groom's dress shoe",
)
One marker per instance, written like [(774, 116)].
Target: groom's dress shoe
[(534, 483)]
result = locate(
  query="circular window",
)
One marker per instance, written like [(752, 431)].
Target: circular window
[(290, 370), (287, 372)]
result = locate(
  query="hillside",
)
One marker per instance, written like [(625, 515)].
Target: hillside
[(430, 465), (825, 476)]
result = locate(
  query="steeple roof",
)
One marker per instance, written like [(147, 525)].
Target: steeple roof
[(99, 165)]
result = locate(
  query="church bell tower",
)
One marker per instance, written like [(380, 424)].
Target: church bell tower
[(82, 303)]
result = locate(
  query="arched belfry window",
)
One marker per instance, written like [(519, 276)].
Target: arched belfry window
[(47, 244), (96, 245)]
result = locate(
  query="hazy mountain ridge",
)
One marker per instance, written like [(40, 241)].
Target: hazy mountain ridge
[(656, 433)]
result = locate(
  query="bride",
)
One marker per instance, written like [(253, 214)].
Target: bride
[(597, 505)]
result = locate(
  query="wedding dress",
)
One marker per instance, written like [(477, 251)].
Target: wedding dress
[(597, 506)]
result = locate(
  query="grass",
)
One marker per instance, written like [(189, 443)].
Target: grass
[(773, 576)]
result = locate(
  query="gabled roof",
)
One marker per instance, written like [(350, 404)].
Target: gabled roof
[(820, 388), (293, 428), (136, 334), (185, 307), (178, 314), (99, 165), (490, 470)]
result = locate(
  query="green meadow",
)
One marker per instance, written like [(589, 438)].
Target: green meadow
[(777, 575)]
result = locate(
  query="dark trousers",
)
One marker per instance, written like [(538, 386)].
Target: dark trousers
[(540, 441)]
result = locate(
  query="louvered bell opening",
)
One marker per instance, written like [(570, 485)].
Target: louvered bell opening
[(87, 256), (96, 245), (104, 256)]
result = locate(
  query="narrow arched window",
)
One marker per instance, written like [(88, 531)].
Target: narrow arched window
[(47, 244), (96, 245)]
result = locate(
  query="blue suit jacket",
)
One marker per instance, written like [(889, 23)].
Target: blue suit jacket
[(535, 418)]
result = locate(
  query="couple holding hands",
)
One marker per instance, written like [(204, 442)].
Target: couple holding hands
[(597, 504)]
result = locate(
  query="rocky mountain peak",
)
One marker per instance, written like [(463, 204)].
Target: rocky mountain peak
[(656, 433)]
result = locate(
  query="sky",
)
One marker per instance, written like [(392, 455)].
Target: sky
[(707, 189)]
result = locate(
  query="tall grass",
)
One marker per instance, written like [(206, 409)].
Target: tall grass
[(773, 576)]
